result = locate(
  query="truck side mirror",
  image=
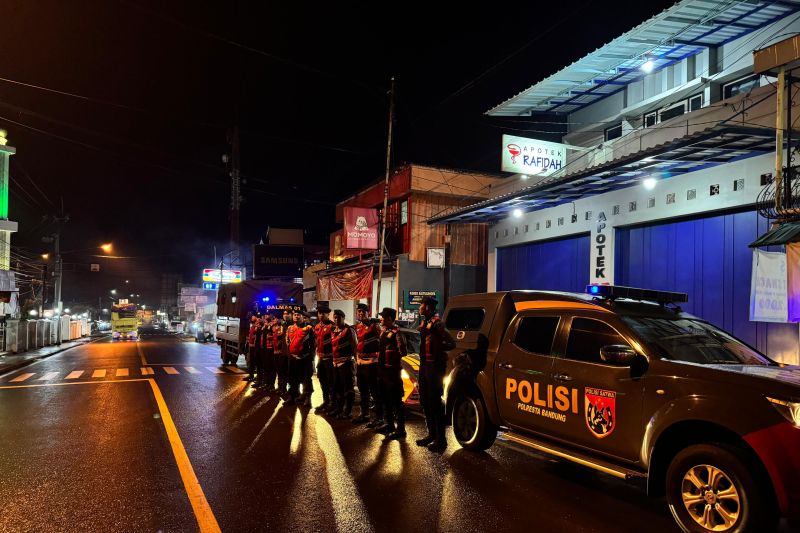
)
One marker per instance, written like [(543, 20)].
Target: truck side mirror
[(617, 354)]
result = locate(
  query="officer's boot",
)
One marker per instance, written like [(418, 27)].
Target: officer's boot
[(348, 406), (400, 431), (388, 427)]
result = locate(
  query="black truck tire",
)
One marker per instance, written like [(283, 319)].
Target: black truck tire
[(471, 425), (714, 487)]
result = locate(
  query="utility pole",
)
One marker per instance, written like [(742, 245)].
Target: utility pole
[(385, 195), (236, 195)]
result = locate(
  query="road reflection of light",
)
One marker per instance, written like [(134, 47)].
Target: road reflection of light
[(348, 509), (255, 440), (392, 461), (258, 405), (297, 432)]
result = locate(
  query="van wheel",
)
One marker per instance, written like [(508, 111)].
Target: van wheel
[(711, 488), (471, 425)]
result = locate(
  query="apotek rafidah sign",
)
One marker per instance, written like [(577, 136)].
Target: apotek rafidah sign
[(219, 275), (361, 228), (530, 156)]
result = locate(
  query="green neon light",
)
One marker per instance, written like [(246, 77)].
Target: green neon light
[(3, 186)]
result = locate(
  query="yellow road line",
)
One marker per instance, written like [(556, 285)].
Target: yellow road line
[(100, 373), (141, 354), (197, 499), (122, 372), (170, 370), (74, 374), (21, 377), (202, 510)]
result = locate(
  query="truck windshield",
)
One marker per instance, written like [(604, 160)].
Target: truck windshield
[(693, 341)]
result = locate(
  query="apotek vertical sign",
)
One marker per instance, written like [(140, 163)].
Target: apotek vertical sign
[(601, 266)]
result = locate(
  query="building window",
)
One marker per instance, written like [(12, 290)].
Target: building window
[(672, 112), (650, 119), (404, 212), (740, 86), (614, 132), (695, 102)]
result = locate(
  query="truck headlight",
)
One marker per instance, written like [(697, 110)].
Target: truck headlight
[(790, 410)]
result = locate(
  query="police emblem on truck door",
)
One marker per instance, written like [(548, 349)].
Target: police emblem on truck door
[(600, 411)]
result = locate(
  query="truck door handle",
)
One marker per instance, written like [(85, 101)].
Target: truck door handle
[(508, 366), (562, 377)]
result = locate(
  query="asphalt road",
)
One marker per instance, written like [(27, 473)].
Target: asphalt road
[(91, 440)]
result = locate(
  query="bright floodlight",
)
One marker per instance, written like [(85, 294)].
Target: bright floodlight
[(649, 183), (33, 312), (517, 212), (45, 256), (648, 65)]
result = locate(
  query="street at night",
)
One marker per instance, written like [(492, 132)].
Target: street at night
[(349, 267), (91, 452)]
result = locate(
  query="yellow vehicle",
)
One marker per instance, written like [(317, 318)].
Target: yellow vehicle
[(124, 323)]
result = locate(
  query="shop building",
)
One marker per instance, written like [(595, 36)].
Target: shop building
[(671, 141), (420, 258)]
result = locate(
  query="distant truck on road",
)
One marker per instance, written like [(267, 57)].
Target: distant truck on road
[(124, 322), (237, 302)]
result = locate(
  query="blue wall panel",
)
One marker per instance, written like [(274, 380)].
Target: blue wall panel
[(561, 265), (708, 259)]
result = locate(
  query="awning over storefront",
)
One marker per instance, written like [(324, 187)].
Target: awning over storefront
[(783, 234), (346, 285), (717, 145)]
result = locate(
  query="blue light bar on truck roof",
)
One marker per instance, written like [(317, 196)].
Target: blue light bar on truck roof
[(632, 293)]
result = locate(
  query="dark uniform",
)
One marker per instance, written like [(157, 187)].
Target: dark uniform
[(392, 351), (322, 333), (257, 354), (281, 356), (251, 347), (300, 342), (268, 355), (343, 343), (368, 332), (435, 340)]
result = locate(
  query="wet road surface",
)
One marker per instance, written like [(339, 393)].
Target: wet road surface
[(86, 445)]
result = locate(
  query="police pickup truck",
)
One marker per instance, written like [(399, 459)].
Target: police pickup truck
[(622, 381)]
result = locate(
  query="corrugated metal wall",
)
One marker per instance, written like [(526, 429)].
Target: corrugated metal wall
[(468, 242), (561, 265), (708, 259)]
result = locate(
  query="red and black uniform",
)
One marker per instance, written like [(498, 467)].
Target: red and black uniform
[(281, 354), (343, 344), (325, 374), (251, 348), (368, 333), (268, 355), (435, 340), (392, 351), (300, 343)]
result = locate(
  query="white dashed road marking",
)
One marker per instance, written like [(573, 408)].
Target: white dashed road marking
[(101, 373), (75, 374), (49, 376)]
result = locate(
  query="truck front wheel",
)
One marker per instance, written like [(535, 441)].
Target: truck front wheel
[(471, 425), (712, 487)]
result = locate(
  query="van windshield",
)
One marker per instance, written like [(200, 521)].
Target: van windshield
[(693, 341)]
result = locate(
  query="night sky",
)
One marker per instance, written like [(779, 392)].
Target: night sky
[(135, 148)]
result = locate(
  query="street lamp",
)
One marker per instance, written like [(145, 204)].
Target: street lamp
[(107, 247), (66, 311), (45, 256), (113, 291), (127, 281), (33, 312)]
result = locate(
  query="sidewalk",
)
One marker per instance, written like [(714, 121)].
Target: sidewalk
[(10, 362)]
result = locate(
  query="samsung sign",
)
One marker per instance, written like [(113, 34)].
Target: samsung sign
[(529, 156)]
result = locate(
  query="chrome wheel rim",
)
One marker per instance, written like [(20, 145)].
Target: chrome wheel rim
[(467, 420), (711, 498)]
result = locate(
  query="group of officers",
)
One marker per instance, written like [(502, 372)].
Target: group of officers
[(368, 356)]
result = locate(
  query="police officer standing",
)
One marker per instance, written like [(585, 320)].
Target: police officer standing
[(435, 340), (251, 348), (281, 356), (343, 345), (368, 332), (268, 355), (300, 341), (392, 351), (322, 333), (257, 369)]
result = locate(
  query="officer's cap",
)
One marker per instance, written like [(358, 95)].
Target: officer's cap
[(363, 307), (323, 308), (338, 312), (388, 312)]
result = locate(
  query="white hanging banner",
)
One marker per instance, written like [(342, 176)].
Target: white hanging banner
[(768, 296)]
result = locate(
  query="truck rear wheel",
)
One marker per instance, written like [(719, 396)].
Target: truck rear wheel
[(471, 425)]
